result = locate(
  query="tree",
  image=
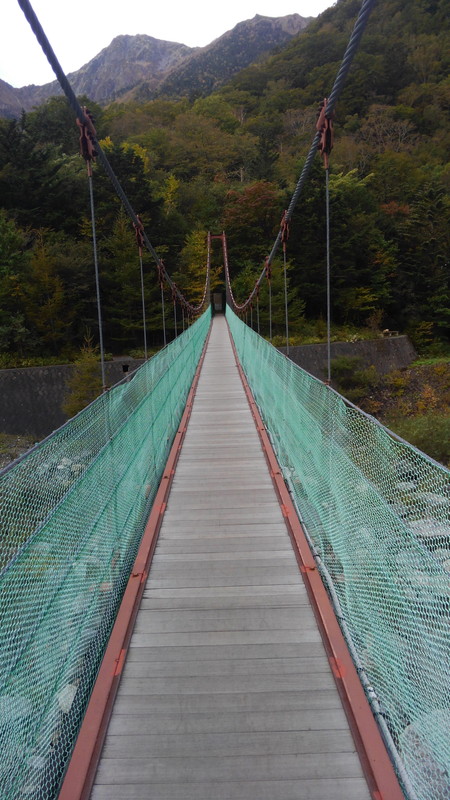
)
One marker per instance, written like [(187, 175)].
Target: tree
[(121, 288), (193, 258), (85, 383), (251, 219), (43, 296), (15, 335)]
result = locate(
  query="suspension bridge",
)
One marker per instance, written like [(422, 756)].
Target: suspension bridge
[(221, 579)]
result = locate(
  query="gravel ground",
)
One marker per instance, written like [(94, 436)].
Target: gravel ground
[(12, 446)]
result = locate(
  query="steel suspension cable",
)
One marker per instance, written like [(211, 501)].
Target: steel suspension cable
[(175, 316), (144, 323), (286, 316), (269, 278), (163, 316), (139, 239), (327, 206), (97, 279), (38, 31), (284, 238), (350, 52)]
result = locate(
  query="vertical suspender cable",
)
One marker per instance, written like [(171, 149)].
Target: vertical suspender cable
[(327, 203), (97, 280), (89, 153), (325, 128), (175, 316), (251, 316), (284, 238), (143, 305), (286, 301), (163, 314), (139, 230), (270, 310), (257, 310)]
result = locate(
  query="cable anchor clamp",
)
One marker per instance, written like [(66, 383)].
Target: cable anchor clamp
[(161, 273), (88, 135), (284, 229), (139, 231), (325, 127)]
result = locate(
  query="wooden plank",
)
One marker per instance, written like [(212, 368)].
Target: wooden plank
[(219, 603), (238, 768), (230, 652), (225, 637), (317, 719), (317, 789), (217, 481), (205, 544), (224, 667), (227, 516), (257, 576), (219, 560), (227, 684), (215, 703), (220, 499), (225, 745), (211, 529), (224, 619), (227, 592), (217, 527)]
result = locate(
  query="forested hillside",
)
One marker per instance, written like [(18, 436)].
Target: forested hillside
[(230, 161)]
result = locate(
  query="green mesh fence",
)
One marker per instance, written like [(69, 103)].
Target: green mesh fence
[(378, 514), (72, 513)]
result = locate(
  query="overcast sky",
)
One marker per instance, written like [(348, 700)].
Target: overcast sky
[(79, 29)]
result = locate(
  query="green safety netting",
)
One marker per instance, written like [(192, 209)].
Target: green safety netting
[(72, 513), (378, 514)]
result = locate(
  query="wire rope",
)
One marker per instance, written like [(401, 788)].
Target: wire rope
[(97, 278), (350, 52), (327, 207), (38, 31)]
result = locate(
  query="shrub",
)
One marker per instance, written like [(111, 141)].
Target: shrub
[(352, 379), (85, 384)]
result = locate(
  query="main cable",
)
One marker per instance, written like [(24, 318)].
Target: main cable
[(351, 49), (38, 31)]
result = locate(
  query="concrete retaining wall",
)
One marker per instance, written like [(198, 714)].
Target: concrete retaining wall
[(385, 354), (31, 398)]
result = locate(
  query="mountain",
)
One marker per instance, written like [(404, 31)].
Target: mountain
[(138, 67), (127, 61), (212, 66)]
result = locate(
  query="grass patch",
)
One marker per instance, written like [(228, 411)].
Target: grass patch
[(431, 361), (428, 432)]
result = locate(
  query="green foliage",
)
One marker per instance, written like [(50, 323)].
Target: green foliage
[(85, 383), (230, 160), (429, 432), (192, 273), (352, 379)]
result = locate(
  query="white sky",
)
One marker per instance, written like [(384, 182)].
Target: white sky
[(79, 29)]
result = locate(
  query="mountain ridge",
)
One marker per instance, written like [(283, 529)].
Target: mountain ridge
[(140, 67)]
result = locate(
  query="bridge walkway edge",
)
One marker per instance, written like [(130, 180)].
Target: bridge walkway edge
[(227, 691)]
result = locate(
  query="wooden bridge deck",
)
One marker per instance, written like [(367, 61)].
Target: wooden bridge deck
[(227, 692)]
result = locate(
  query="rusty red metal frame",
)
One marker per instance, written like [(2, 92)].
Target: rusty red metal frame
[(80, 774), (375, 761)]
